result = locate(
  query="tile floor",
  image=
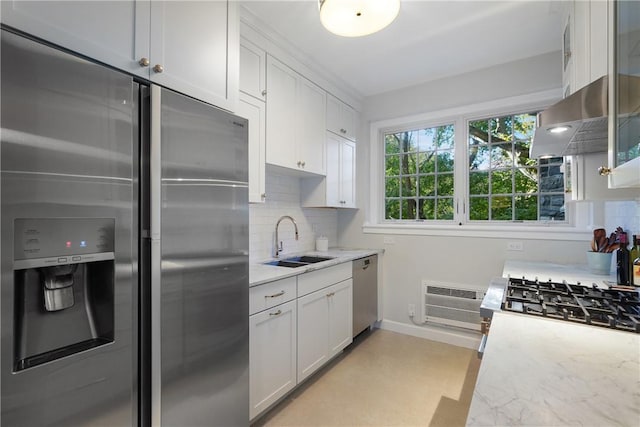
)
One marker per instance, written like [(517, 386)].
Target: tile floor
[(384, 379)]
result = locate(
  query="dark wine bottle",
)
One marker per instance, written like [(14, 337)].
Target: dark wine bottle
[(622, 260)]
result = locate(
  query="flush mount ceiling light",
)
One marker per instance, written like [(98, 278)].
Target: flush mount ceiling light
[(559, 129), (354, 18)]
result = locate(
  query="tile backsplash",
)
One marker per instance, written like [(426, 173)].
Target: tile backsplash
[(625, 214), (283, 198)]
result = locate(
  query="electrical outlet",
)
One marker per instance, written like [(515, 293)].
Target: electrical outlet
[(514, 246), (412, 310), (389, 240)]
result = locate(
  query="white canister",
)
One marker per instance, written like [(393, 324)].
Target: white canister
[(322, 244)]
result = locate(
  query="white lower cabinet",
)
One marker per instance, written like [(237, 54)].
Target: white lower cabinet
[(272, 355), (324, 326)]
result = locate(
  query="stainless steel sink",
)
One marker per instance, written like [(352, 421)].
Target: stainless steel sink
[(298, 261)]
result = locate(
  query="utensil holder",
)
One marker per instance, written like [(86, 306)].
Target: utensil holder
[(599, 262)]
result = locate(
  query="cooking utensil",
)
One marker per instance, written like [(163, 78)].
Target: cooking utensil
[(598, 234)]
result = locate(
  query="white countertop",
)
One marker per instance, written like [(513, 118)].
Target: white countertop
[(556, 272), (260, 273), (546, 372)]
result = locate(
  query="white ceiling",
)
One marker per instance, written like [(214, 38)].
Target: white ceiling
[(427, 41)]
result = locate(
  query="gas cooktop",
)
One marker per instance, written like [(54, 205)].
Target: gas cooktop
[(610, 308)]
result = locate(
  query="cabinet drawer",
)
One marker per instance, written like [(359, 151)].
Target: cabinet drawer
[(271, 294), (311, 282)]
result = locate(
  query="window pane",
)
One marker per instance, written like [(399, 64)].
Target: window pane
[(408, 208), (392, 165), (501, 129), (551, 179), (427, 209), (408, 186), (392, 209), (526, 208), (445, 161), (426, 139), (552, 207), (445, 208), (479, 158), (526, 180), (479, 183), (478, 132), (427, 185), (501, 208), (524, 126), (445, 185), (479, 208), (427, 163), (501, 182), (392, 187), (501, 156), (391, 144), (521, 154), (409, 163), (445, 137)]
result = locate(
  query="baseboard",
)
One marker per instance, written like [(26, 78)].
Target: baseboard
[(457, 337)]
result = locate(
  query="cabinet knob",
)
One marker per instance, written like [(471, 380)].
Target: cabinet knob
[(604, 171), (303, 163), (263, 196), (144, 62), (264, 93), (158, 68), (299, 163), (343, 130)]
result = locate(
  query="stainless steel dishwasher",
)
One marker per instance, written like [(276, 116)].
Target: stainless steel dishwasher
[(365, 293)]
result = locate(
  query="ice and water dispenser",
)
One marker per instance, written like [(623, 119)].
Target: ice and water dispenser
[(64, 274)]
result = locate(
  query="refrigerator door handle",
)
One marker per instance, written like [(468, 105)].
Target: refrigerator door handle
[(155, 162)]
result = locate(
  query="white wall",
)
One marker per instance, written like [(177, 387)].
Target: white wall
[(463, 260), (283, 198)]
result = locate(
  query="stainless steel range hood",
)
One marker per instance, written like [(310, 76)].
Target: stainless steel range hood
[(585, 115)]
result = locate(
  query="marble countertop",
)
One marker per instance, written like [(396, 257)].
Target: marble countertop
[(556, 272), (546, 372), (260, 273)]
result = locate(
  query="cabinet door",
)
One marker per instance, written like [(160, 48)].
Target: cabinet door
[(113, 32), (340, 316), (341, 119), (254, 110), (252, 69), (313, 332), (194, 49), (349, 120), (272, 356), (348, 174), (310, 126), (281, 106), (333, 184)]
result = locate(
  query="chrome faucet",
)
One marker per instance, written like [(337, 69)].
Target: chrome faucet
[(279, 243)]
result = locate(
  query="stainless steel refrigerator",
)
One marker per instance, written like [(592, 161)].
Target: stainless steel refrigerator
[(124, 254)]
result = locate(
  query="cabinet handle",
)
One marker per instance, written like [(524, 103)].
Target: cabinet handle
[(277, 313), (144, 62), (158, 68), (279, 294), (604, 171), (330, 294), (264, 93)]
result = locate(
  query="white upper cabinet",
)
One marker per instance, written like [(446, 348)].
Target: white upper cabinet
[(191, 47), (252, 69), (253, 110), (341, 119), (337, 189), (296, 111)]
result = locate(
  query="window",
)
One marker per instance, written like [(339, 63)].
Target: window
[(504, 184), (493, 181), (419, 173)]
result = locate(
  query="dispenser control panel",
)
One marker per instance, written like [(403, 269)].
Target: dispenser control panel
[(63, 240)]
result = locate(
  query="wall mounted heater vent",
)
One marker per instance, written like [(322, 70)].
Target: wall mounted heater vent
[(451, 304)]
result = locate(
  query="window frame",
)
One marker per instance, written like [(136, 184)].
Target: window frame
[(569, 229)]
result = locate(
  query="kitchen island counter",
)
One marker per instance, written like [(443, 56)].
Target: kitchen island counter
[(539, 371), (259, 273)]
